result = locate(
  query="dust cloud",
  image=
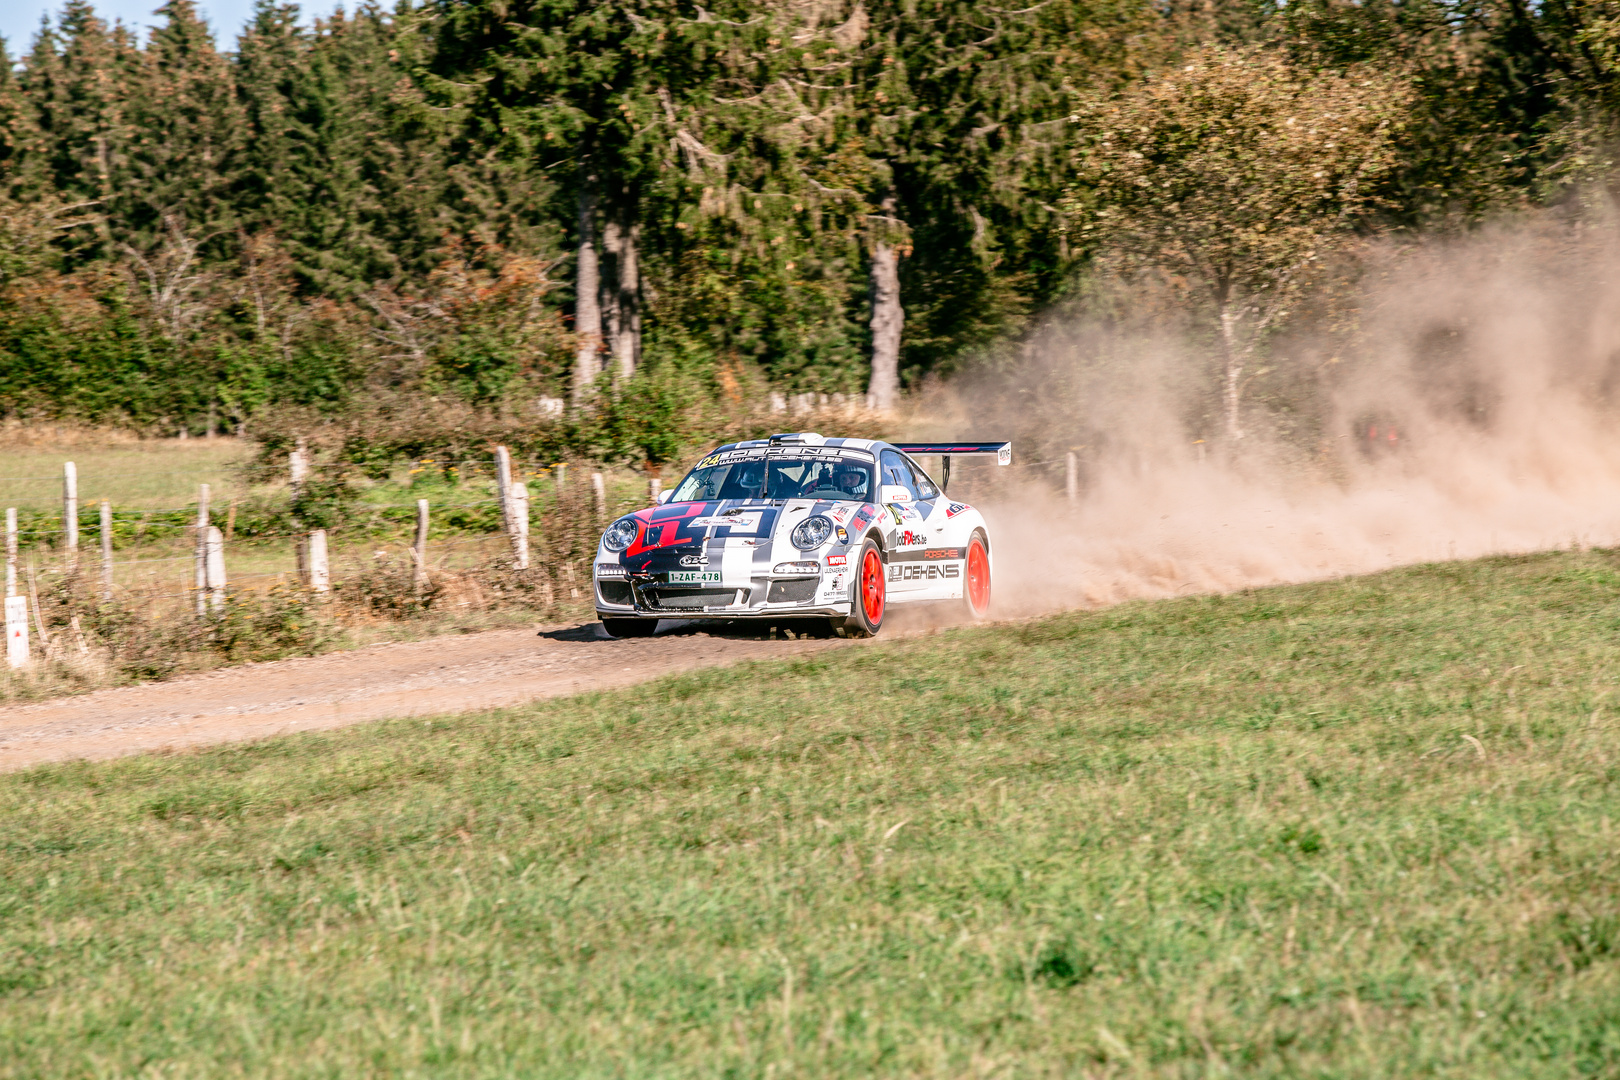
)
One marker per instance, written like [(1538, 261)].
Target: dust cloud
[(1465, 405)]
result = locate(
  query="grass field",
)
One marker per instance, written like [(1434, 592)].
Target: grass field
[(137, 474), (1363, 828)]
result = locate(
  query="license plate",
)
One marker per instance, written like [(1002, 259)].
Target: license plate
[(694, 577)]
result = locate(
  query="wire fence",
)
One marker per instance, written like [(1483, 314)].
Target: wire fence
[(90, 571)]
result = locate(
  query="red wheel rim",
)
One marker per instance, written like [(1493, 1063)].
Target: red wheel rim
[(978, 577), (872, 588)]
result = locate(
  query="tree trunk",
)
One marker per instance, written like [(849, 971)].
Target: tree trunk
[(627, 350), (621, 297), (888, 318), (587, 302), (1235, 355)]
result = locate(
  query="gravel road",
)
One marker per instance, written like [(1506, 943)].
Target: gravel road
[(420, 678)]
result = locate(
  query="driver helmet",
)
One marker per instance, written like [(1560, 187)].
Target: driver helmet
[(849, 478), (750, 474)]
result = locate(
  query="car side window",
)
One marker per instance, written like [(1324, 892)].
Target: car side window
[(896, 471), (925, 487)]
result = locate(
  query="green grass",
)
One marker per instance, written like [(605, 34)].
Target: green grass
[(1363, 828), (133, 474)]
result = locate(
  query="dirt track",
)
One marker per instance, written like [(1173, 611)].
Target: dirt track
[(421, 678)]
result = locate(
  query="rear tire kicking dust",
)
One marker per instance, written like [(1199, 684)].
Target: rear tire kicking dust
[(976, 587)]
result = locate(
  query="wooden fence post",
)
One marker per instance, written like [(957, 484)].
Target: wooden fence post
[(39, 616), (312, 572), (106, 550), (514, 510), (214, 567), (200, 569), (503, 486), (562, 476), (419, 576), (11, 551), (520, 526), (599, 497), (1071, 484), (70, 512)]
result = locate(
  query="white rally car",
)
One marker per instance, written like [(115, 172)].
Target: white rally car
[(798, 526)]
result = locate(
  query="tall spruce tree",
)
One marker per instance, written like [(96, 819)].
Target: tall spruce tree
[(80, 78), (185, 149)]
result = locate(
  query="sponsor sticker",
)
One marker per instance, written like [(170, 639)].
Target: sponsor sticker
[(748, 521), (694, 560), (956, 508), (923, 572), (694, 577), (907, 538), (837, 560), (943, 553)]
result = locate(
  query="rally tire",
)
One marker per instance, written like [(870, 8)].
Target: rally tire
[(976, 578), (871, 600), (623, 628)]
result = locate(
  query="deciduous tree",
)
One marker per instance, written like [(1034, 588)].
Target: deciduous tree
[(1232, 174)]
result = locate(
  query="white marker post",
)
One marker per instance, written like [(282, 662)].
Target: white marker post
[(70, 511), (214, 567), (320, 572), (1071, 483), (599, 495), (16, 631)]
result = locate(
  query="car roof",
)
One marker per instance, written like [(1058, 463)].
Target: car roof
[(803, 438)]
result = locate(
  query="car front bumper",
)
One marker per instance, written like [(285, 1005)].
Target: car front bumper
[(762, 598)]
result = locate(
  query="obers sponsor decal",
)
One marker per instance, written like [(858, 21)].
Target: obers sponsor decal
[(924, 572), (908, 538)]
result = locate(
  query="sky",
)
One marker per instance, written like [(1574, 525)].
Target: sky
[(19, 19)]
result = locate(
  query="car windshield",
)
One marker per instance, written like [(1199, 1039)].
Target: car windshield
[(759, 477)]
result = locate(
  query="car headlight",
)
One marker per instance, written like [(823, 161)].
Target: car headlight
[(812, 532), (621, 534)]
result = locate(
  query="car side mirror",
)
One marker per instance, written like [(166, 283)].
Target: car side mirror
[(896, 493), (663, 496)]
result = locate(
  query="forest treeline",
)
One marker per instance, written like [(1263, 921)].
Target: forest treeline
[(591, 217)]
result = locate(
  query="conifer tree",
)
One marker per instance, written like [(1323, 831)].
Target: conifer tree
[(186, 146), (79, 78)]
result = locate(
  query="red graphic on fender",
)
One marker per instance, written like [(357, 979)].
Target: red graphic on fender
[(661, 527)]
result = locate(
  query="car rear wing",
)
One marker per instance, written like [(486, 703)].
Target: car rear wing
[(1001, 451)]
